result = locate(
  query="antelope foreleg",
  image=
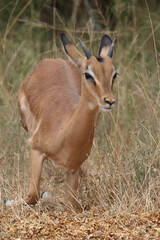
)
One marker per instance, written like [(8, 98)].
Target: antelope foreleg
[(34, 186)]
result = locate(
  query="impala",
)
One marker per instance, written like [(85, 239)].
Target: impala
[(59, 105)]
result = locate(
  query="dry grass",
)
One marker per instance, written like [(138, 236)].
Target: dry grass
[(122, 173)]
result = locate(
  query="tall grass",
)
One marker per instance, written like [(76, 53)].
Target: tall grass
[(123, 171)]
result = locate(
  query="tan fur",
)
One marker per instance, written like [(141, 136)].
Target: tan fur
[(56, 108)]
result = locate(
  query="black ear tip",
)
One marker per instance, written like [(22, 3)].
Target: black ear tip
[(64, 39), (106, 36), (107, 39), (62, 35)]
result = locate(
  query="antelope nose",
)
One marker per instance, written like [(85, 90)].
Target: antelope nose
[(109, 101)]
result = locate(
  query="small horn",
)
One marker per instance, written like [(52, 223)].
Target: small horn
[(110, 52), (85, 49)]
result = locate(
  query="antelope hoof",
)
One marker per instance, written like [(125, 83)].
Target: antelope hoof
[(9, 203), (45, 195)]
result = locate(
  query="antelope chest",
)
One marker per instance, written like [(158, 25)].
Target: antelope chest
[(70, 156)]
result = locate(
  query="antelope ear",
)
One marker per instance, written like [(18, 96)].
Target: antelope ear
[(71, 51), (105, 45)]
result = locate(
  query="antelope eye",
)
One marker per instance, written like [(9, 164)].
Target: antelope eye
[(87, 76), (90, 78)]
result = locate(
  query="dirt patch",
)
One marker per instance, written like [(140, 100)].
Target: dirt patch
[(92, 224)]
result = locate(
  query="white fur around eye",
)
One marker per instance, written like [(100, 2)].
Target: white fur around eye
[(113, 73), (92, 75)]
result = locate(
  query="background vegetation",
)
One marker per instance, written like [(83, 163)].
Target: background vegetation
[(123, 170)]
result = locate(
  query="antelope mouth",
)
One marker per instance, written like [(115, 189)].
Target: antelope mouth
[(106, 108)]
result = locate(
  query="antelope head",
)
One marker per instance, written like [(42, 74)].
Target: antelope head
[(98, 73)]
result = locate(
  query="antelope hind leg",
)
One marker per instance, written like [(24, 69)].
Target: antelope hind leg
[(72, 185)]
